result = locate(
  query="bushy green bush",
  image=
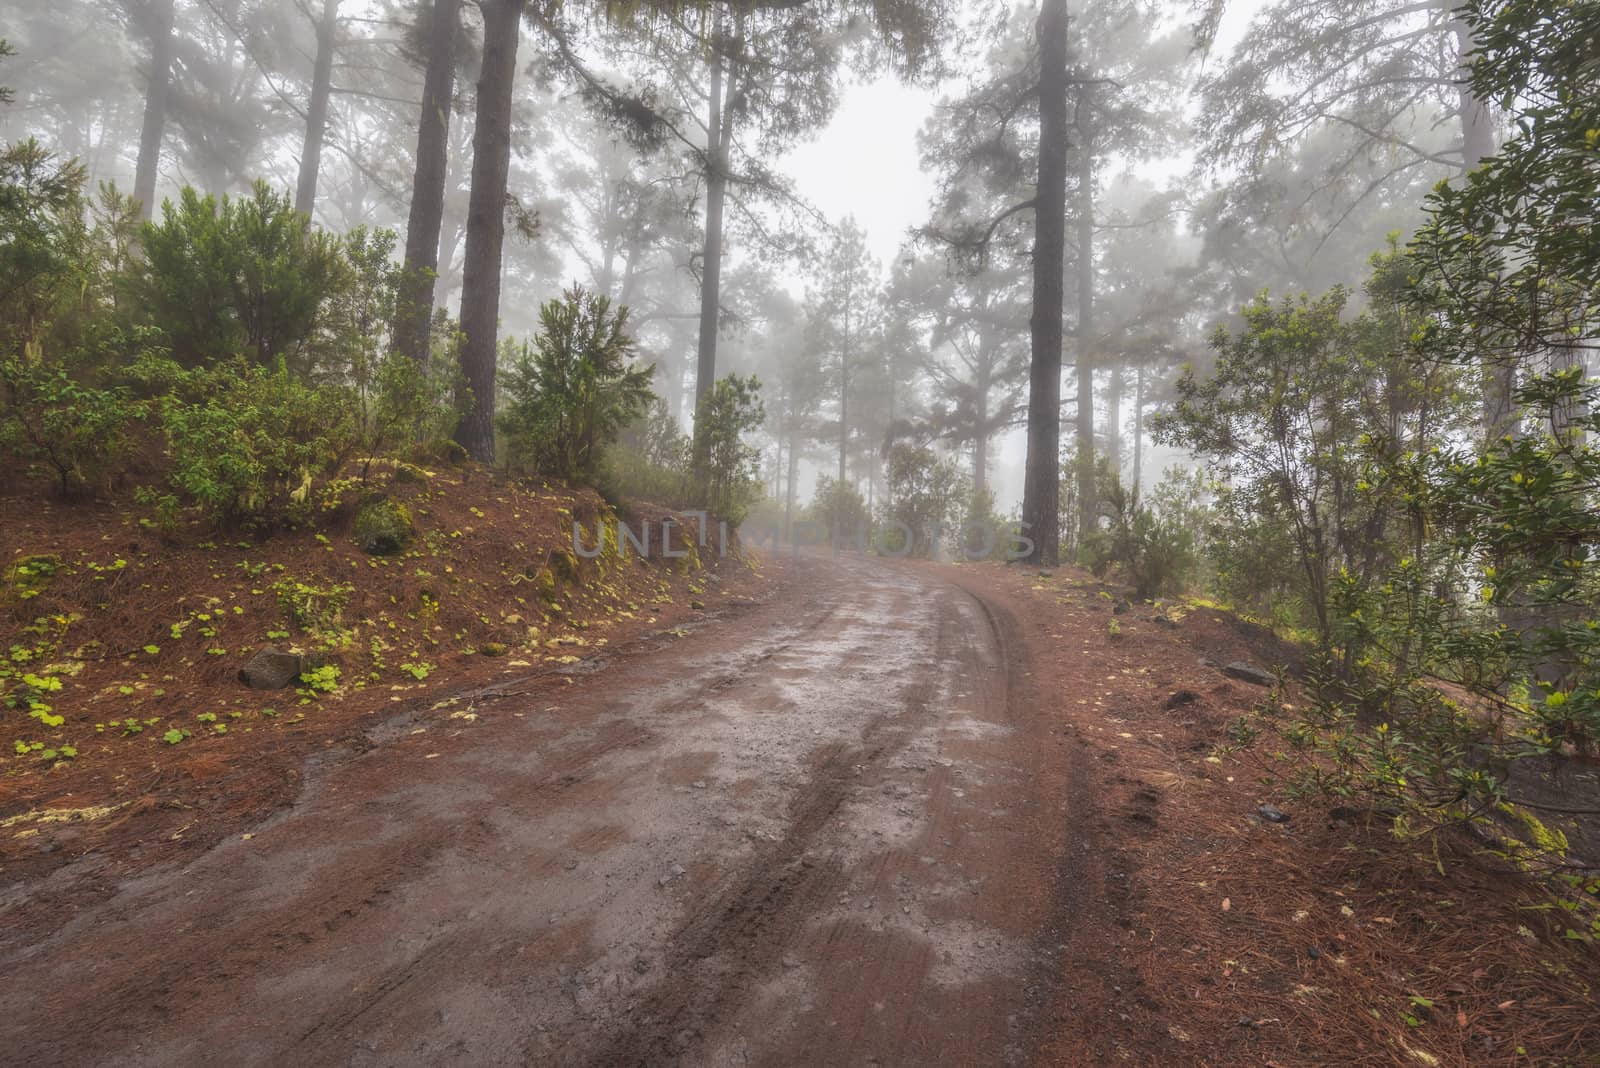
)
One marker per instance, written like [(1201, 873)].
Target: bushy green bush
[(571, 392), (840, 509), (1155, 543), (42, 239), (649, 462), (730, 482), (984, 533), (383, 526), (656, 437), (927, 494), (239, 277), (80, 432), (246, 444)]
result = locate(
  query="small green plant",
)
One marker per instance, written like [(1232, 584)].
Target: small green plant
[(324, 679), (315, 609), (418, 670), (174, 736)]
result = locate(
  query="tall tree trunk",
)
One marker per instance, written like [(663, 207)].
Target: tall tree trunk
[(414, 307), (1138, 431), (717, 141), (794, 476), (1115, 382), (486, 223), (155, 108), (1477, 143), (1088, 506), (980, 446), (717, 144), (305, 197), (844, 393), (1041, 490)]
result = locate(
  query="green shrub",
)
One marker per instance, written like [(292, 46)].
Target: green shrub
[(246, 444), (926, 493), (238, 277), (840, 508), (41, 241), (983, 529), (1156, 544), (656, 437), (572, 391), (80, 432), (729, 482), (626, 475), (315, 609)]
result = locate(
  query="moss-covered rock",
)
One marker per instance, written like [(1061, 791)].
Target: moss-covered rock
[(383, 527), (444, 450), (564, 565), (408, 474)]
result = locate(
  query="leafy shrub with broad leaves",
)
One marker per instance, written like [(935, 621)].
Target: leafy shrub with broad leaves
[(41, 240), (245, 443), (80, 432)]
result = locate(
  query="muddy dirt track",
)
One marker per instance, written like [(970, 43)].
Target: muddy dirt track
[(828, 829)]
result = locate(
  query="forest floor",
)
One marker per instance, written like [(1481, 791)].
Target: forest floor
[(827, 811), (143, 633)]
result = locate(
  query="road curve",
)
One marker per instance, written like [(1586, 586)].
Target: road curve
[(822, 830)]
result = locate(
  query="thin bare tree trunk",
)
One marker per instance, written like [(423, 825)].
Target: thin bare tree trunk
[(155, 108), (1088, 507), (844, 397), (1138, 431), (486, 223), (794, 476), (711, 260), (1041, 491), (415, 302), (305, 197), (1477, 143)]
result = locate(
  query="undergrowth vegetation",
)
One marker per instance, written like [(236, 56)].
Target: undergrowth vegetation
[(1415, 486)]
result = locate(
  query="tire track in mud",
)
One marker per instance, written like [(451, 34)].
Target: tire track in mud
[(738, 934)]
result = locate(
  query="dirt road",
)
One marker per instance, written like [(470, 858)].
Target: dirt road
[(826, 829)]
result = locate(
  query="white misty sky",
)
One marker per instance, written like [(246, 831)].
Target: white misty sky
[(865, 161)]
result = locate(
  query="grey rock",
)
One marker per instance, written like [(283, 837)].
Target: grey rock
[(271, 669), (1272, 814), (1238, 669)]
